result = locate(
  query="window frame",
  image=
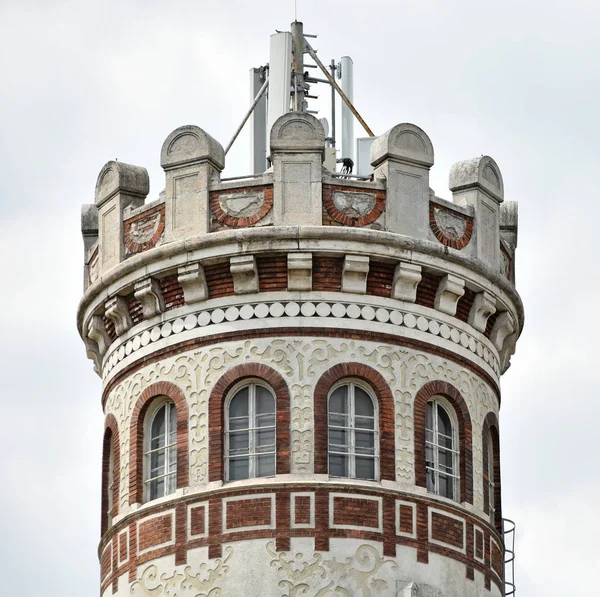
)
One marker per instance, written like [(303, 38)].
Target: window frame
[(491, 482), (157, 404), (455, 475), (252, 454), (352, 382), (110, 481)]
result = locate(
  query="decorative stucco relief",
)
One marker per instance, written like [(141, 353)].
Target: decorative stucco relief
[(183, 584), (321, 575), (301, 362)]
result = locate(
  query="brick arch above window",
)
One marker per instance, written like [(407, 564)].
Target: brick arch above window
[(491, 429), (385, 400), (216, 416), (465, 434), (111, 432), (136, 456)]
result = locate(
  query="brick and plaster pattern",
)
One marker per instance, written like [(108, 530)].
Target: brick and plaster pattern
[(301, 362)]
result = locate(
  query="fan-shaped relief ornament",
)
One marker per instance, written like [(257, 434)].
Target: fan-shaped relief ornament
[(506, 265), (353, 207), (450, 227), (315, 575), (240, 208), (144, 232), (183, 584)]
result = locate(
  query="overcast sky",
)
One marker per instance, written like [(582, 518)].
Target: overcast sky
[(83, 82)]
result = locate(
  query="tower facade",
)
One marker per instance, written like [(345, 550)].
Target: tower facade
[(301, 371)]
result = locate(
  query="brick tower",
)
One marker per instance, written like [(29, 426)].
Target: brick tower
[(301, 371)]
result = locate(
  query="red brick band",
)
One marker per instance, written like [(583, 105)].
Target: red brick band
[(441, 528)]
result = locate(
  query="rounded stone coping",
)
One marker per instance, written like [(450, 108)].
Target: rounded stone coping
[(413, 323), (375, 243)]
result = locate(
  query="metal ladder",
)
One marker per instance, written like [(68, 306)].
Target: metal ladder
[(508, 532)]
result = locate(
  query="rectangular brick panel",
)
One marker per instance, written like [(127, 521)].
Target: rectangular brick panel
[(302, 509), (355, 512), (272, 272), (105, 561), (406, 519), (478, 544), (155, 531), (123, 545), (248, 513), (219, 280), (496, 557), (197, 520), (427, 289), (172, 292), (327, 273), (447, 530), (380, 278)]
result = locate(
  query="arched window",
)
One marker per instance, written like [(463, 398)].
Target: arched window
[(441, 450), (250, 433), (488, 478), (160, 450), (352, 433), (110, 481)]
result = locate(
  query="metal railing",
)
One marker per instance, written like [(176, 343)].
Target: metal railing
[(508, 532)]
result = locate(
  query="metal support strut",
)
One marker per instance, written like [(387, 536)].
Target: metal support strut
[(314, 56), (249, 113)]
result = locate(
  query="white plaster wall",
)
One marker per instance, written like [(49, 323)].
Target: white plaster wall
[(352, 568), (301, 362)]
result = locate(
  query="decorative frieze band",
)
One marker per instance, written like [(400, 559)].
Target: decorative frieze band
[(310, 309)]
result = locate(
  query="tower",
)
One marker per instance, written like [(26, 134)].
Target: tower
[(300, 368)]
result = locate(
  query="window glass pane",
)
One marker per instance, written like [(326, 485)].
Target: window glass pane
[(444, 424), (429, 455), (338, 401), (238, 443), (265, 465), (364, 423), (429, 436), (172, 418), (430, 480), (157, 463), (338, 420), (172, 459), (429, 416), (267, 420), (446, 486), (365, 442), (338, 465), (338, 438), (363, 405), (265, 438), (265, 402), (238, 407), (238, 468), (365, 468), (170, 484), (239, 423), (446, 460), (157, 488), (157, 431)]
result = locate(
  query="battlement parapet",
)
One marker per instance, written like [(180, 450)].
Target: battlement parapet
[(453, 257)]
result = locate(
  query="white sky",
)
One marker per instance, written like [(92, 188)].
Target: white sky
[(83, 82)]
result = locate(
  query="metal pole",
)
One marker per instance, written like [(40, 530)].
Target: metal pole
[(332, 67), (298, 65), (314, 56), (254, 104)]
